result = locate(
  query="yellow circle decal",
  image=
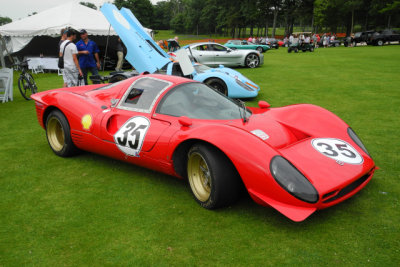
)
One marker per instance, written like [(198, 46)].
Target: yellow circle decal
[(87, 121)]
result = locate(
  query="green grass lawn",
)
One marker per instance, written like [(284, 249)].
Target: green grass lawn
[(93, 211)]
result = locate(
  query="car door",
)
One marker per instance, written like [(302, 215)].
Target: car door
[(203, 54), (129, 124), (223, 55)]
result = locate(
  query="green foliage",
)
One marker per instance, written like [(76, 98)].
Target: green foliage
[(5, 20), (89, 4), (143, 10), (90, 210)]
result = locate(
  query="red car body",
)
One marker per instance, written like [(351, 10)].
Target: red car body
[(95, 118)]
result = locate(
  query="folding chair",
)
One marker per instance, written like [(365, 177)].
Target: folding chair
[(6, 84)]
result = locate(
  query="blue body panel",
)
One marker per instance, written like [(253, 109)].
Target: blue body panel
[(145, 55)]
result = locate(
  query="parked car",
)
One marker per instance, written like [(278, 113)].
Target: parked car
[(385, 36), (274, 43), (296, 159), (363, 37), (243, 44), (213, 54), (146, 56)]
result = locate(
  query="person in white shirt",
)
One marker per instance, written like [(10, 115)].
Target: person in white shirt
[(291, 39), (72, 69)]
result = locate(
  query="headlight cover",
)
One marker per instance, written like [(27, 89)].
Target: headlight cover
[(292, 180), (357, 140)]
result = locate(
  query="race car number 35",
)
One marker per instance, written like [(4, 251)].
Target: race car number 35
[(338, 150), (129, 138)]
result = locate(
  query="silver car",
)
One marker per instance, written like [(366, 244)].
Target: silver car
[(213, 54)]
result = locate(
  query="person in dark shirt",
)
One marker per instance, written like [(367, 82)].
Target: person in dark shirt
[(88, 55)]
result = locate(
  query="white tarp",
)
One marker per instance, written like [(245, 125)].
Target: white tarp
[(51, 21)]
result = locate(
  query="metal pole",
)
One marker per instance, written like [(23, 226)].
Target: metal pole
[(105, 54), (3, 64)]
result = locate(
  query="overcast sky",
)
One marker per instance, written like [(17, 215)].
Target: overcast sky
[(17, 9)]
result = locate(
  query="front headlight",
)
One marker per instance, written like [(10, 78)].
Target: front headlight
[(357, 140), (292, 180), (242, 84)]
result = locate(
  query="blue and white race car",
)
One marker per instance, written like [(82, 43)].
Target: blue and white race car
[(146, 56)]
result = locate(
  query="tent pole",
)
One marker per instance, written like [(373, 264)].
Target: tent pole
[(3, 64), (105, 54)]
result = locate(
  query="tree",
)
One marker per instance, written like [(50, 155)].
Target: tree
[(88, 4), (142, 9), (5, 20)]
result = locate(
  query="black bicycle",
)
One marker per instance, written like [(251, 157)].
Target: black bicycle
[(26, 83)]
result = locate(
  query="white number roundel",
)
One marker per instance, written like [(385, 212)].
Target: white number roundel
[(338, 150), (130, 137)]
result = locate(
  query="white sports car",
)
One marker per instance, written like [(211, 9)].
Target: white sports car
[(213, 54)]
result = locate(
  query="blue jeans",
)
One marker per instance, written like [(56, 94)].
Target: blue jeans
[(85, 72)]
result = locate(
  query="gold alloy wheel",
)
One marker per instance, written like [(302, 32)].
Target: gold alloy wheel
[(55, 134), (199, 177)]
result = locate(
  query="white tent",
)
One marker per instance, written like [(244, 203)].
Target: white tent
[(50, 22)]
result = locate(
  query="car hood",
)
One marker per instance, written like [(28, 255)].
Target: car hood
[(234, 75), (290, 141), (143, 53)]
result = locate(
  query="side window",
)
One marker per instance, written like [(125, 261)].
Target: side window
[(219, 48), (142, 94)]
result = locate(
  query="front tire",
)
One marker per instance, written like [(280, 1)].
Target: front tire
[(212, 177), (252, 61), (58, 134), (380, 43), (217, 85), (259, 49)]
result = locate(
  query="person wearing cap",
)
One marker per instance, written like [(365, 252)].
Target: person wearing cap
[(69, 53), (88, 55)]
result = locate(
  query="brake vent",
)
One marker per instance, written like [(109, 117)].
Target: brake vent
[(77, 138), (346, 190)]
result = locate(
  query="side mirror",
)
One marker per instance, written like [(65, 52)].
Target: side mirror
[(228, 50), (263, 104)]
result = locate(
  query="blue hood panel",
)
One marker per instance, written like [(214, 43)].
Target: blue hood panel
[(143, 53)]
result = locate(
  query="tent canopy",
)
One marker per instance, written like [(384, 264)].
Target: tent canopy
[(50, 22)]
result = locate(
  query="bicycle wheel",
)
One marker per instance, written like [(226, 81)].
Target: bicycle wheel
[(25, 87), (32, 82)]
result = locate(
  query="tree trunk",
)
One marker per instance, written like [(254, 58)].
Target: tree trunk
[(274, 22), (352, 21), (266, 27), (390, 16)]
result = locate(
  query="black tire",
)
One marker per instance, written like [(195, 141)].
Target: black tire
[(213, 179), (117, 78), (58, 135), (380, 42), (296, 50), (304, 50), (276, 47), (217, 85), (259, 49), (289, 50), (337, 44), (311, 49), (252, 60), (25, 87), (354, 44)]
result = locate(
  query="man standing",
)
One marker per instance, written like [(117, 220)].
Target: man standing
[(88, 55), (120, 54), (69, 52)]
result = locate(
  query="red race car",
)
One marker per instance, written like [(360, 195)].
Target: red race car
[(296, 159)]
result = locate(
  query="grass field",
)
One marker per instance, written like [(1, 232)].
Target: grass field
[(93, 211)]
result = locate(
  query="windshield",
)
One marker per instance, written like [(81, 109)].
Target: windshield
[(201, 68), (198, 101)]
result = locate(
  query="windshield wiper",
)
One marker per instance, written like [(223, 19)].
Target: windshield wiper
[(242, 105)]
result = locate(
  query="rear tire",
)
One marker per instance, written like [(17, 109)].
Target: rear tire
[(252, 61), (380, 42), (217, 85), (212, 177), (58, 134)]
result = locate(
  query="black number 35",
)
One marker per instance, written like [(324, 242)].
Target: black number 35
[(334, 151)]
